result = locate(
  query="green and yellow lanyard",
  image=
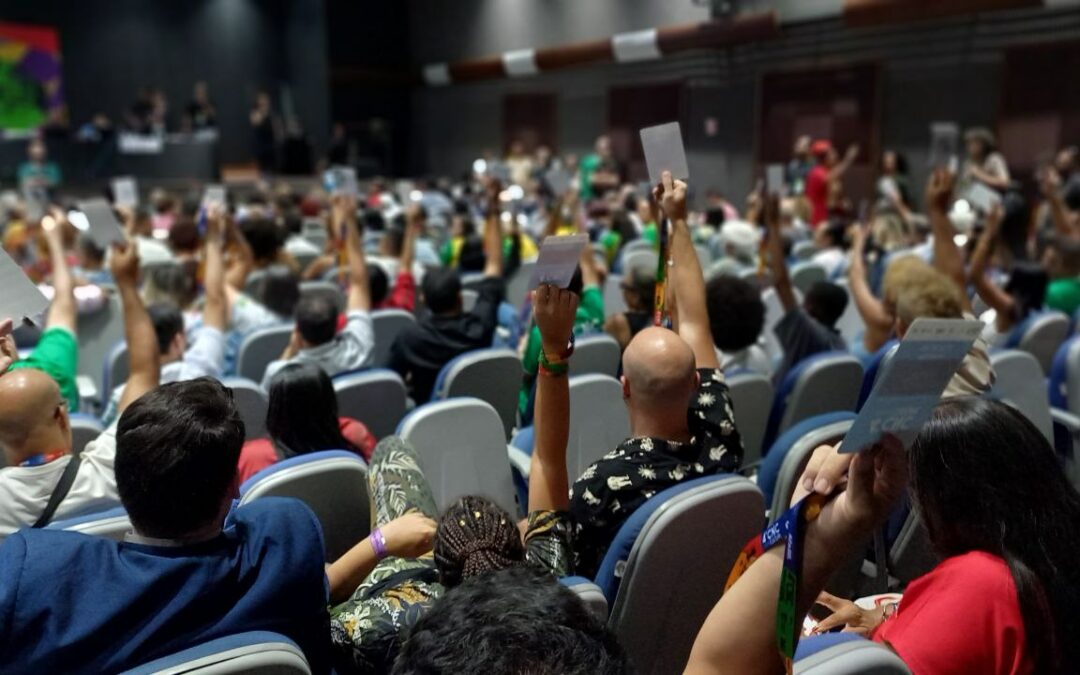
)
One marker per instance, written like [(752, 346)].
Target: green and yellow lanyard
[(790, 528), (661, 275)]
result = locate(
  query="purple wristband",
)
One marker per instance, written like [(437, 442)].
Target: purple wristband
[(378, 543)]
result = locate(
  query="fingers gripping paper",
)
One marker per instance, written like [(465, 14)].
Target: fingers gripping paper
[(21, 299), (664, 152), (911, 385), (558, 260)]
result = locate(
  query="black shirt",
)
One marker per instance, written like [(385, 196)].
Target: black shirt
[(611, 489), (420, 351)]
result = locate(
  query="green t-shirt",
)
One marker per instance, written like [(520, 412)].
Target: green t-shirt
[(56, 355), (650, 234), (611, 240), (1064, 295), (589, 318), (589, 164)]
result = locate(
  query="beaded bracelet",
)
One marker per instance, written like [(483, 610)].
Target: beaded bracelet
[(546, 361)]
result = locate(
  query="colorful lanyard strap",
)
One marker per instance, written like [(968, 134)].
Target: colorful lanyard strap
[(789, 528), (45, 458), (661, 275)]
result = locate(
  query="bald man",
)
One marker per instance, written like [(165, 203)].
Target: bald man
[(42, 481), (680, 412)]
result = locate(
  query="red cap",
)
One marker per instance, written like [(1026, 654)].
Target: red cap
[(820, 148)]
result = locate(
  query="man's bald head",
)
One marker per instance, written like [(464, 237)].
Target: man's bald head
[(659, 370), (29, 400)]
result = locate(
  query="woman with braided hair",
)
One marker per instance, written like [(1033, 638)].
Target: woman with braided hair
[(474, 536)]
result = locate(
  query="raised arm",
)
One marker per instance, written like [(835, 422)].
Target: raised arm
[(878, 321), (687, 281), (216, 306), (344, 216), (844, 164), (947, 257), (243, 258), (62, 310), (554, 310), (493, 262), (413, 226), (739, 635), (991, 294), (1050, 185), (138, 329), (774, 245)]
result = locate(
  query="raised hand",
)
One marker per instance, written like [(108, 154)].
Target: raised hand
[(939, 189), (671, 195), (124, 264), (554, 310)]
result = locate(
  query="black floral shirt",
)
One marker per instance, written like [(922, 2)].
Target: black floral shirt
[(611, 489)]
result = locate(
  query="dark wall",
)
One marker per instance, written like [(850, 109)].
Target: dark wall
[(112, 47)]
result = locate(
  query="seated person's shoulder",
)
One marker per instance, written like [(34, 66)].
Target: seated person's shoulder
[(276, 517)]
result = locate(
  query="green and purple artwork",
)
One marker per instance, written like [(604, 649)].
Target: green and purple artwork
[(31, 88)]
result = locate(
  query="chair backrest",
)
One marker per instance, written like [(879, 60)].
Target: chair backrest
[(387, 325), (599, 421), (788, 455), (597, 353), (1040, 335), (468, 299), (491, 375), (252, 402), (98, 334), (461, 446), (115, 372), (84, 428), (806, 274), (517, 287), (822, 383), (590, 595), (911, 554), (333, 483), (325, 289), (112, 524), (803, 250), (375, 397), (259, 348), (846, 654), (257, 652), (774, 312), (678, 549), (638, 245), (316, 239), (1064, 382), (704, 255), (1020, 383), (643, 259), (850, 324), (874, 368), (751, 397), (305, 258), (614, 302)]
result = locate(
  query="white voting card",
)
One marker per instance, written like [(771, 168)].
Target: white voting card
[(500, 171), (944, 145), (664, 152), (342, 180), (915, 376), (774, 178), (21, 299), (558, 179), (102, 225), (558, 260), (214, 194), (125, 191)]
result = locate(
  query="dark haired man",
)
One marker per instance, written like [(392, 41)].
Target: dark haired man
[(736, 317), (810, 329), (315, 338), (420, 351), (190, 572), (516, 620)]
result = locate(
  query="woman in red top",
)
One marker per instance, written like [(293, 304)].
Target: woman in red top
[(829, 168), (998, 509), (302, 418)]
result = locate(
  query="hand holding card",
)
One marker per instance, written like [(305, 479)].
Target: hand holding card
[(558, 260)]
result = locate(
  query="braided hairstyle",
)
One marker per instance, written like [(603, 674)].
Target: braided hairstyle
[(475, 536)]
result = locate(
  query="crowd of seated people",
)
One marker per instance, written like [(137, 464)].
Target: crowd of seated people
[(475, 588)]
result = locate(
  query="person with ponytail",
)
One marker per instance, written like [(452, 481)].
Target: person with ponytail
[(474, 536), (999, 510)]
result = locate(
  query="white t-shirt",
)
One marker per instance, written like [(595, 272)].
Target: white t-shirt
[(298, 246), (752, 358), (25, 490), (833, 260), (349, 350)]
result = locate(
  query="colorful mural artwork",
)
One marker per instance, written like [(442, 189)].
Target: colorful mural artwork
[(31, 84)]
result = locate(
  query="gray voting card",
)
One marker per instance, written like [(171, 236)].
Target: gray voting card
[(664, 152), (558, 179), (911, 385), (125, 192), (21, 299), (214, 194), (944, 145), (102, 225), (500, 171), (342, 180), (774, 178), (558, 260)]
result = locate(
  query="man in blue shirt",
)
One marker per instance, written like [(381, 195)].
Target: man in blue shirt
[(191, 571)]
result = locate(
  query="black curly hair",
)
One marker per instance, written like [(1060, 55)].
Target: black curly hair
[(736, 312)]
